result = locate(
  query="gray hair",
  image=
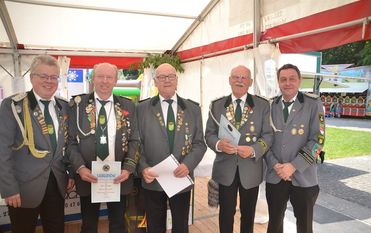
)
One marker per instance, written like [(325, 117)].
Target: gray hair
[(43, 60)]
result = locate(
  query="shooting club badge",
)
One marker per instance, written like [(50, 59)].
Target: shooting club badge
[(106, 168), (171, 126)]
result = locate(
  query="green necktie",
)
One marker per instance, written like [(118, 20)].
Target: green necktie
[(170, 125), (238, 112), (286, 110), (102, 132), (49, 124)]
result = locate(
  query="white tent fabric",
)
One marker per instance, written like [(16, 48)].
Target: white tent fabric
[(120, 26), (231, 18)]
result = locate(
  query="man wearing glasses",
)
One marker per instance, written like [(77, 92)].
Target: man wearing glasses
[(168, 124), (33, 177), (103, 128), (239, 168)]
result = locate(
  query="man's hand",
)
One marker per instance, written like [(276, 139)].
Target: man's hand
[(70, 185), (181, 171), (225, 146), (285, 170), (245, 151), (149, 175), (86, 175), (14, 201), (122, 177)]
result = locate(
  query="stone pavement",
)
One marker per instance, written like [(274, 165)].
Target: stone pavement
[(344, 202)]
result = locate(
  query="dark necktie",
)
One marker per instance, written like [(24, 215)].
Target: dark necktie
[(49, 124), (286, 110), (170, 125), (102, 132), (238, 112)]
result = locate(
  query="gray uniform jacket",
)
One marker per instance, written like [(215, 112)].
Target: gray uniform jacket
[(255, 132), (20, 171), (81, 149), (189, 144), (299, 140)]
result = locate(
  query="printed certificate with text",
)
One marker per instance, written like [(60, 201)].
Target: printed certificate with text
[(105, 190)]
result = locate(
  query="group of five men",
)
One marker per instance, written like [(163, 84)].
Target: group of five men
[(47, 146)]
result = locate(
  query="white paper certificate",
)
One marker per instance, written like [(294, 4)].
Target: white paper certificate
[(228, 131), (105, 190), (169, 183)]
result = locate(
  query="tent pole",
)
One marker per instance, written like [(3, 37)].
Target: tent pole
[(256, 40)]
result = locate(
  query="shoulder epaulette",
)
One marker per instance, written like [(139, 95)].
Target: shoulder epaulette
[(75, 99), (263, 98), (219, 98), (312, 96), (144, 99), (19, 97), (194, 102), (123, 97)]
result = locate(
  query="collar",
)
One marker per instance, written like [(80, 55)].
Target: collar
[(174, 98), (38, 98), (154, 100), (243, 98), (292, 99), (110, 99), (299, 96), (249, 100)]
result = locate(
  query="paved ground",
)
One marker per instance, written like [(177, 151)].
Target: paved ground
[(349, 123), (344, 202)]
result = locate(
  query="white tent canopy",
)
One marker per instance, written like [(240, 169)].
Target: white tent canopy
[(92, 25), (134, 28)]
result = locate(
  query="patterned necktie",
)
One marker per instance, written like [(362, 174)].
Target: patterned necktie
[(102, 132), (238, 112), (49, 124), (170, 125), (286, 110)]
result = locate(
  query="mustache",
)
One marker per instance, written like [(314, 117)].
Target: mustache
[(239, 84)]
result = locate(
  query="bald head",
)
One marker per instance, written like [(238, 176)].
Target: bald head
[(241, 70), (165, 68)]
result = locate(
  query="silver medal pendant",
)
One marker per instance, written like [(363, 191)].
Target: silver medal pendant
[(103, 140)]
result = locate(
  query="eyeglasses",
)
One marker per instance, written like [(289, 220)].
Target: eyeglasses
[(170, 77), (106, 77), (237, 77), (45, 77)]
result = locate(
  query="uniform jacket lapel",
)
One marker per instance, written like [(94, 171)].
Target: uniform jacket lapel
[(296, 108), (38, 117), (246, 110), (61, 123), (157, 112), (278, 113), (180, 129), (88, 114)]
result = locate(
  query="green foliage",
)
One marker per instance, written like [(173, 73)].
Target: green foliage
[(366, 54), (346, 143), (155, 60), (357, 53), (346, 54)]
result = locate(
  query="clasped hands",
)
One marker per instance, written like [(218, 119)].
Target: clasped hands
[(85, 174), (149, 175), (225, 146), (284, 170)]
